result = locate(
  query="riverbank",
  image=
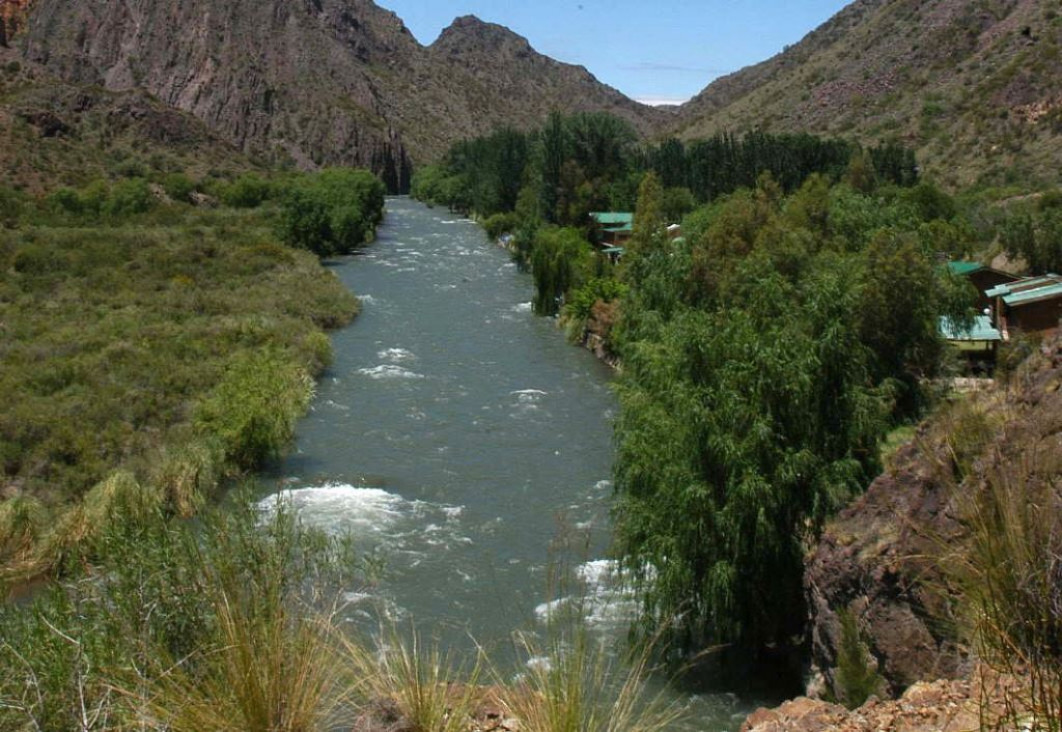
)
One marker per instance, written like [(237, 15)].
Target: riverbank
[(155, 355)]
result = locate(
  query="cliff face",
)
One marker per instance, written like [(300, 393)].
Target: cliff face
[(324, 81), (265, 74), (55, 133), (877, 561)]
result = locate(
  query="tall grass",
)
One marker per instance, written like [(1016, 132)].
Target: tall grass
[(1010, 573), (428, 689), (575, 684), (212, 625)]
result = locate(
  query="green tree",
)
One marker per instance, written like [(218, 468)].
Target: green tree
[(332, 212), (560, 260)]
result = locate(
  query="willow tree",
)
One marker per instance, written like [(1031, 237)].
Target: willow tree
[(560, 262), (740, 431)]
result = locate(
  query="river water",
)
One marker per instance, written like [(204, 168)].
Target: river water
[(466, 445)]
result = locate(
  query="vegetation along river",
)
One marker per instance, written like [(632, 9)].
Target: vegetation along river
[(464, 443)]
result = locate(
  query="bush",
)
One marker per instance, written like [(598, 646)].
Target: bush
[(332, 212), (252, 412), (560, 259), (247, 191), (856, 678), (12, 204), (129, 197), (179, 187), (65, 200), (503, 223), (605, 289)]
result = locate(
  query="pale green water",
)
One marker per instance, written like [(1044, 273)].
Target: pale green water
[(466, 444)]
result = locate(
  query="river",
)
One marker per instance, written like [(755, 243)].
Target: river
[(466, 445)]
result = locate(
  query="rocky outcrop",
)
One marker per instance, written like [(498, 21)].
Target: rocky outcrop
[(12, 18), (56, 133), (877, 562), (882, 561), (315, 82), (938, 706)]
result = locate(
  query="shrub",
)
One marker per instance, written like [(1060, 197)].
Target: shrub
[(179, 187), (128, 197), (560, 259), (856, 677), (247, 191), (252, 412), (605, 289), (502, 223), (332, 212), (65, 200), (12, 204)]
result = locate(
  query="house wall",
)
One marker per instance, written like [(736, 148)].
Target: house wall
[(1036, 316)]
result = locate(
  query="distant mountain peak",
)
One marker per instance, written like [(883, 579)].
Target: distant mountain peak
[(315, 82), (469, 32)]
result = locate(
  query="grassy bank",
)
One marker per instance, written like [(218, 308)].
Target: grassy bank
[(162, 345), (235, 623)]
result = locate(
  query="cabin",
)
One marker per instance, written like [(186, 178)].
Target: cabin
[(977, 342), (616, 227), (982, 278), (1028, 305)]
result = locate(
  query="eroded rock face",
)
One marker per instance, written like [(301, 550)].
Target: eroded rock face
[(882, 560), (877, 561), (327, 82)]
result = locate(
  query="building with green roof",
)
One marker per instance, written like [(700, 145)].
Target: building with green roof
[(616, 227)]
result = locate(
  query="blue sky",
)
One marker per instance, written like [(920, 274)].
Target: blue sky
[(667, 50)]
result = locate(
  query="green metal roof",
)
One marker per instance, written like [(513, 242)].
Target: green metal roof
[(1028, 283), (1032, 295), (964, 268), (613, 218), (980, 330)]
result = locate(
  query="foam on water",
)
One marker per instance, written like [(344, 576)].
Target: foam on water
[(395, 354), (605, 602), (339, 505), (415, 529), (389, 371)]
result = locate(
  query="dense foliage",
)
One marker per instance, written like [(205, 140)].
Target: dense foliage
[(145, 335), (332, 212), (594, 162), (1032, 231), (765, 355)]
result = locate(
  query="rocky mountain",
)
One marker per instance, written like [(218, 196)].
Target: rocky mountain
[(975, 86), (314, 82), (56, 133)]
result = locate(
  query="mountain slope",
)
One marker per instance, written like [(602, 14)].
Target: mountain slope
[(974, 86), (56, 133), (322, 81)]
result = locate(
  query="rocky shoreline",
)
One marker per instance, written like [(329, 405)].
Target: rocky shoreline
[(983, 701)]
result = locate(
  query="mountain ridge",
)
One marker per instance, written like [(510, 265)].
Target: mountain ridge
[(974, 87), (326, 82)]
